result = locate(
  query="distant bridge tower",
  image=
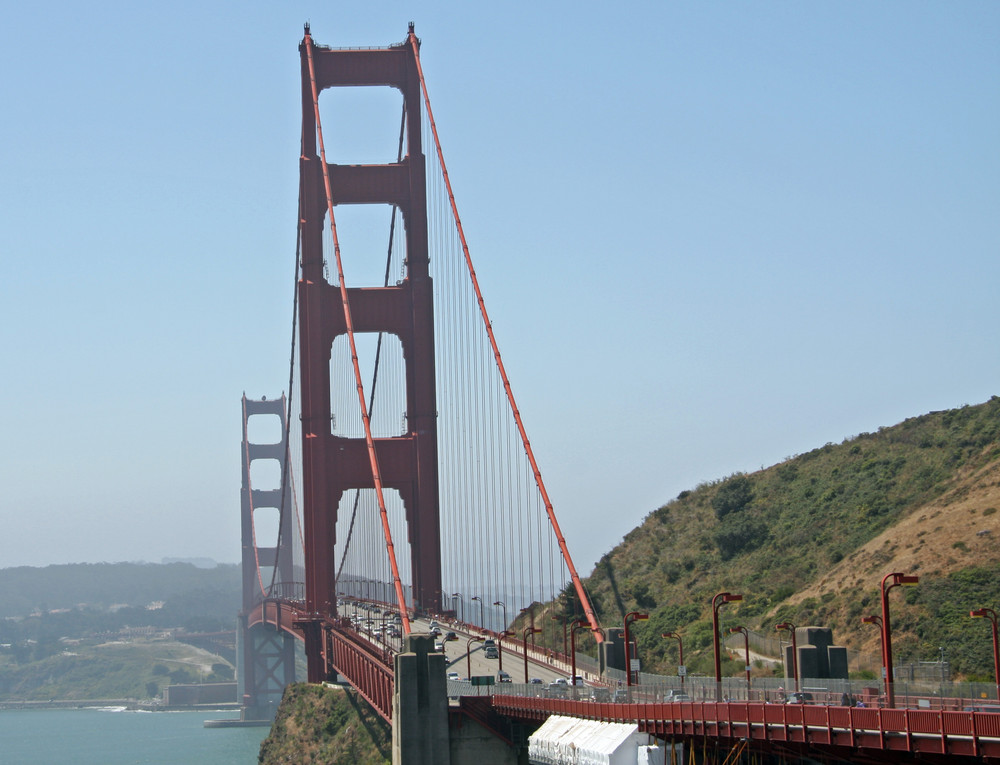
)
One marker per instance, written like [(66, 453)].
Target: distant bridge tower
[(266, 654)]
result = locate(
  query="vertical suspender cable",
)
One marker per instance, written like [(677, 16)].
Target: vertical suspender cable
[(348, 322), (581, 593)]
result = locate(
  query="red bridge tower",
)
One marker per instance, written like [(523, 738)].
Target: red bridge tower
[(332, 465)]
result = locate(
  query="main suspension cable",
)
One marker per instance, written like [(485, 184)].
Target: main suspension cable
[(581, 593)]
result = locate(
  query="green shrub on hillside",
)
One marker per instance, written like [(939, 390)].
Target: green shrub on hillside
[(734, 495), (738, 534)]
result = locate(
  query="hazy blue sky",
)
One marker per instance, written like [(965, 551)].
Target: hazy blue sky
[(711, 236)]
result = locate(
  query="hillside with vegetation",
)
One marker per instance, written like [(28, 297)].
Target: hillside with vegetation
[(808, 541)]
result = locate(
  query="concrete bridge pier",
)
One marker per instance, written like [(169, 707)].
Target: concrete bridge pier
[(420, 705), (424, 730)]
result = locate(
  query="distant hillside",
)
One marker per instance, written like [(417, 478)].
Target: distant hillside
[(41, 605), (136, 668), (26, 589), (809, 540)]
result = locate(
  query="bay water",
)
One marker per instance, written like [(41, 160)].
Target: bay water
[(114, 736)]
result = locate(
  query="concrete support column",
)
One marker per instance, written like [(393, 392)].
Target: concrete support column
[(420, 705)]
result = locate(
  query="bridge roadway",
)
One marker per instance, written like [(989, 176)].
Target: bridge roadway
[(370, 668), (470, 660)]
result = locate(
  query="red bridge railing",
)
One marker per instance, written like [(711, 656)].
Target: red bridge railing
[(971, 734), (368, 669)]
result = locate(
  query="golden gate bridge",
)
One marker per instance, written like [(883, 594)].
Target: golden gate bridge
[(399, 471)]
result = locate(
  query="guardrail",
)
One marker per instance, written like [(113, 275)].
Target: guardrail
[(940, 732), (815, 691)]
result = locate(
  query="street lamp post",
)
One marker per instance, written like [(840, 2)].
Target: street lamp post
[(565, 642), (468, 653), (524, 639), (989, 613), (382, 635), (482, 617), (888, 582), (500, 637), (718, 602), (504, 607), (795, 653), (681, 669), (636, 617), (461, 609), (531, 616), (877, 621), (579, 624), (746, 646)]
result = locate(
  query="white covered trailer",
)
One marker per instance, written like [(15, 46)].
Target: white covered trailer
[(571, 741)]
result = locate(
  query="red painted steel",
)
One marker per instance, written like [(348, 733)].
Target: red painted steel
[(333, 465), (577, 584), (277, 613)]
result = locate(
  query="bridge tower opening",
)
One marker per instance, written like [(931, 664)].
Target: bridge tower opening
[(332, 465)]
